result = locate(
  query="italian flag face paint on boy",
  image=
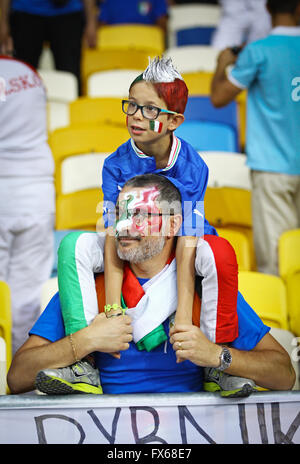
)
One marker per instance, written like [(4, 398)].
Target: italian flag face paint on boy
[(156, 126)]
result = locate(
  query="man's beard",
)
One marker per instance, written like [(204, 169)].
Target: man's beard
[(147, 249)]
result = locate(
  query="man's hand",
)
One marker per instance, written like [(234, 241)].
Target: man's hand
[(110, 335), (190, 343), (226, 57)]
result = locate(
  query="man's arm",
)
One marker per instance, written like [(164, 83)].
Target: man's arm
[(268, 364), (222, 90), (91, 24), (6, 42), (37, 353)]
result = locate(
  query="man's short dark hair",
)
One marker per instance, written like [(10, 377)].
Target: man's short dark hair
[(282, 6), (168, 193)]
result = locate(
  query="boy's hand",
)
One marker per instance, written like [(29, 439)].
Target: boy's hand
[(190, 343), (110, 335)]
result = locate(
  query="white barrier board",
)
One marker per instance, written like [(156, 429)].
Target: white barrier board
[(197, 418)]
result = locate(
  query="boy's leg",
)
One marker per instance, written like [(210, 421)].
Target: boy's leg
[(216, 263), (80, 256)]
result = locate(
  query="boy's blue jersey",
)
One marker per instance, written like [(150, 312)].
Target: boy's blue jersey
[(157, 371), (185, 168)]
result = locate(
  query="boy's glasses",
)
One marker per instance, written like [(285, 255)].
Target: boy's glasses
[(148, 111)]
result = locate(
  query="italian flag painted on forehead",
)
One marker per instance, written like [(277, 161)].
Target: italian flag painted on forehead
[(156, 126)]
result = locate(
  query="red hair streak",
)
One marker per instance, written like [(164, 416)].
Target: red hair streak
[(175, 94)]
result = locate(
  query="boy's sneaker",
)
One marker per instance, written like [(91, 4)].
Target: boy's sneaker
[(81, 377), (229, 386)]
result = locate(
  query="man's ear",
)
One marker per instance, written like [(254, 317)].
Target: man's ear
[(174, 224), (175, 121)]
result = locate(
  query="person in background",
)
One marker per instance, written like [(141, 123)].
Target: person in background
[(25, 25), (269, 68), (27, 192), (241, 21), (151, 12)]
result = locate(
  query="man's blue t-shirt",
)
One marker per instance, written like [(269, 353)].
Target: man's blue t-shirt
[(132, 11), (46, 7), (185, 169), (270, 69), (155, 371)]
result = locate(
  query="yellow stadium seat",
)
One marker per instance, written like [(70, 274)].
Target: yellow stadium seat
[(293, 298), (289, 270), (96, 60), (102, 110), (6, 320), (79, 153), (132, 37), (241, 246), (289, 253), (267, 295)]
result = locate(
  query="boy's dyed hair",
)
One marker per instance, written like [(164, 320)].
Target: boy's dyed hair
[(168, 83)]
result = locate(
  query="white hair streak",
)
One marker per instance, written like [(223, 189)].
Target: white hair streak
[(161, 70)]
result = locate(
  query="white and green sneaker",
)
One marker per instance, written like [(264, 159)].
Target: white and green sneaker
[(81, 377), (229, 386)]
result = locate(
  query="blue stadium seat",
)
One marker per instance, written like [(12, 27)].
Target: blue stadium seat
[(208, 136), (200, 108), (201, 35)]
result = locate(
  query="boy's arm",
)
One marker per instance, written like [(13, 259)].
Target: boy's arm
[(113, 276), (37, 353)]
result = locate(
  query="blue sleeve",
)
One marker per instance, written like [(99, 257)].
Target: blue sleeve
[(50, 324), (104, 14), (251, 327), (246, 67)]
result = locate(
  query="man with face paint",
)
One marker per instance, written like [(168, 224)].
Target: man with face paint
[(148, 218), (154, 109)]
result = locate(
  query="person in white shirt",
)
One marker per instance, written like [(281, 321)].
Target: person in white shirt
[(242, 21), (27, 192)]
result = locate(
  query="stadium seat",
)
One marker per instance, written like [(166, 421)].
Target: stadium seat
[(200, 108), (103, 110), (227, 169), (267, 295), (289, 253), (6, 320), (193, 58), (3, 367), (114, 83), (289, 270), (228, 194), (206, 135), (289, 342), (49, 289), (293, 297), (147, 38), (79, 153), (199, 83), (241, 246), (61, 86), (192, 17), (97, 60), (58, 115)]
